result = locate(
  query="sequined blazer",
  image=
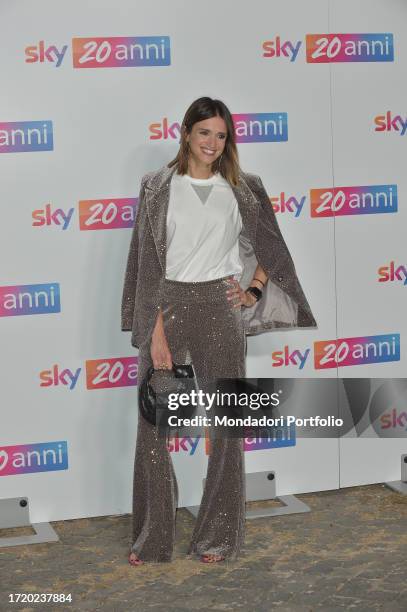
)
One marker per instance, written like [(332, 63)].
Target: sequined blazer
[(283, 304)]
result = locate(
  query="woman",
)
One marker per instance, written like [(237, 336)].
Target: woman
[(207, 265)]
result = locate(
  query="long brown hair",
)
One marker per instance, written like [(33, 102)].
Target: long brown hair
[(228, 163)]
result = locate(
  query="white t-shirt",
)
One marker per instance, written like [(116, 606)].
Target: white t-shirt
[(203, 227)]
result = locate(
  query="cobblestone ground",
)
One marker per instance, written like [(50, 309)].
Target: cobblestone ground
[(348, 553)]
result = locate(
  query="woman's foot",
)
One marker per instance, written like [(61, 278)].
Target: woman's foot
[(212, 558), (134, 560)]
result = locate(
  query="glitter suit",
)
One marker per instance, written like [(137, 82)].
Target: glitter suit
[(200, 322)]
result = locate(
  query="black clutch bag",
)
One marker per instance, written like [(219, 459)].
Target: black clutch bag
[(153, 404)]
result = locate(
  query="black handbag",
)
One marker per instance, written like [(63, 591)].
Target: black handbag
[(153, 406)]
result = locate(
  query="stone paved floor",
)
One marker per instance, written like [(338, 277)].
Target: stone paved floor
[(348, 553)]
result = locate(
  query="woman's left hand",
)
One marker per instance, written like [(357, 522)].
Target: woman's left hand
[(239, 296)]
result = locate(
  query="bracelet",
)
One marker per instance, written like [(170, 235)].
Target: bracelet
[(260, 281), (256, 292)]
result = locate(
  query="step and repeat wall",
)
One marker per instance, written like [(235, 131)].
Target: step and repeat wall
[(92, 98)]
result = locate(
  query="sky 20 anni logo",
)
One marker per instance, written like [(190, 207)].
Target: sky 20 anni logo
[(100, 374), (329, 48), (339, 201), (104, 52), (108, 213), (359, 350)]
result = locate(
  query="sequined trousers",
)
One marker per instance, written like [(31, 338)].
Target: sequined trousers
[(200, 325)]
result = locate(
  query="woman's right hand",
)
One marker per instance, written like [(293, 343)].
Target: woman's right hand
[(160, 351)]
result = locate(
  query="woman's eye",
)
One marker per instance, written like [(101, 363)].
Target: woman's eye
[(221, 136)]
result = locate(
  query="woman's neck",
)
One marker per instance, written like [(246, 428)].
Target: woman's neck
[(199, 172)]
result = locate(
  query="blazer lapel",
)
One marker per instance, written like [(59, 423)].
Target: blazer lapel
[(157, 198)]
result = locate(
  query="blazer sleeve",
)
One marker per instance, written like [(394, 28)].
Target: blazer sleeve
[(130, 278), (279, 258)]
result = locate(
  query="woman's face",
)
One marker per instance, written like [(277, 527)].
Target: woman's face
[(207, 140)]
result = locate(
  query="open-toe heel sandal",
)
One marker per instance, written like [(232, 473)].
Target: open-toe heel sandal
[(212, 558), (134, 560)]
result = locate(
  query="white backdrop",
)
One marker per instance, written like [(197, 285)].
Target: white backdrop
[(113, 123)]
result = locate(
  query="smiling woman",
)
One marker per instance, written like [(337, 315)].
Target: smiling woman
[(207, 265), (208, 143), (207, 139)]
